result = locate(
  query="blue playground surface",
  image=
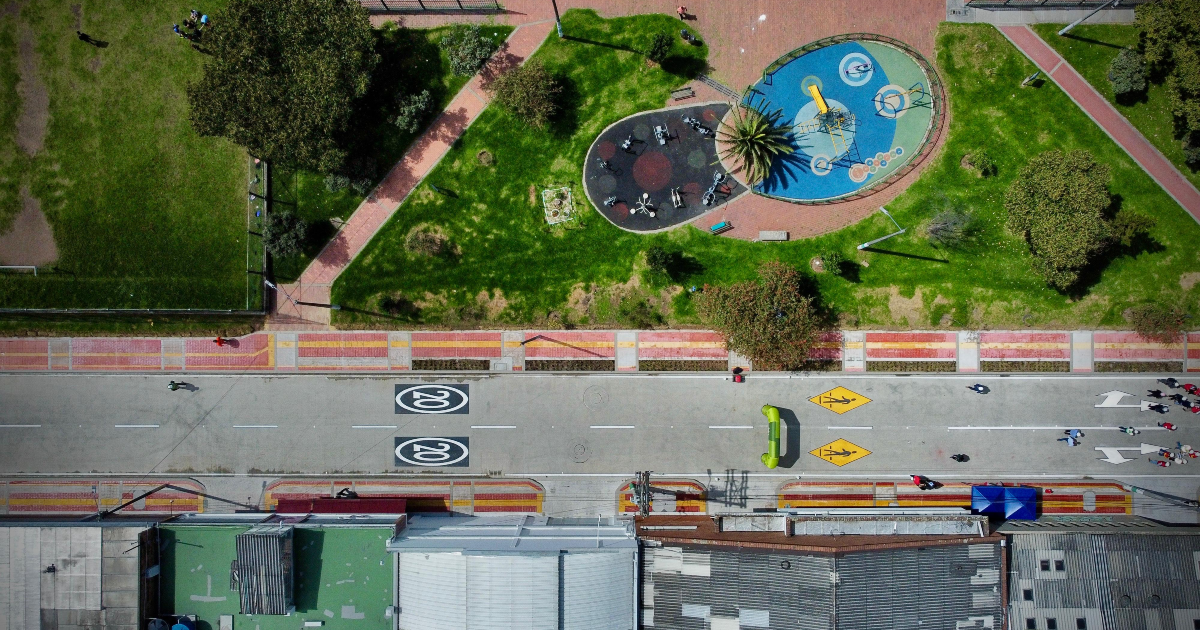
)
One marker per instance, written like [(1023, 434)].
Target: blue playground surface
[(877, 113)]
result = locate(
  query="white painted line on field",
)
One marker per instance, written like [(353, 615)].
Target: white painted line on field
[(20, 426), (851, 428), (135, 426), (1053, 428), (731, 426), (493, 426), (611, 426), (372, 426), (256, 426)]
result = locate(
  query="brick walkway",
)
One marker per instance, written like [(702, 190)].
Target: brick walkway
[(1105, 115)]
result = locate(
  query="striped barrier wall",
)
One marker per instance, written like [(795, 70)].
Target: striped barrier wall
[(456, 345), (252, 352), (668, 497), (685, 345), (31, 497), (557, 344), (1024, 346), (24, 354), (1193, 352), (828, 347), (336, 351), (1054, 497), (114, 353), (460, 496), (911, 346), (1127, 346)]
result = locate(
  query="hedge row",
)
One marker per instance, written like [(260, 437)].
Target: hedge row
[(1138, 366), (1024, 366)]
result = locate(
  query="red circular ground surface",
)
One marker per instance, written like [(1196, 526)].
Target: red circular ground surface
[(606, 150), (652, 171)]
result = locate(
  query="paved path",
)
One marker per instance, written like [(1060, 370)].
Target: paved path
[(424, 154), (1105, 115)]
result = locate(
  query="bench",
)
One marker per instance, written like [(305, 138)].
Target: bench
[(772, 235), (723, 226), (682, 93)]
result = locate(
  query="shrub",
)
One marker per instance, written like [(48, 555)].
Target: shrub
[(1191, 152), (335, 182), (770, 320), (658, 259), (425, 240), (1128, 73), (983, 163), (753, 140), (659, 46), (1158, 322), (832, 260), (399, 306), (528, 92), (411, 110), (951, 228), (637, 313), (1057, 202), (1127, 226), (467, 48), (283, 233)]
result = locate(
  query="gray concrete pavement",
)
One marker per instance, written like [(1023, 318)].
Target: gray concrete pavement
[(590, 429)]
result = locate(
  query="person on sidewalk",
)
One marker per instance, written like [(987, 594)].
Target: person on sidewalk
[(221, 343), (1168, 426), (1159, 407), (1178, 399), (1190, 388), (1069, 440), (1154, 393), (682, 11), (1169, 382), (979, 388), (1159, 462), (1075, 433)]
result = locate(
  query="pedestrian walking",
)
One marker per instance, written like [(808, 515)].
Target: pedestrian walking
[(1169, 382), (173, 386), (1168, 426), (1196, 407), (1159, 462), (1178, 399), (178, 32), (1154, 393), (1190, 388), (1160, 408), (1069, 440), (221, 343), (979, 388), (682, 11), (1075, 433)]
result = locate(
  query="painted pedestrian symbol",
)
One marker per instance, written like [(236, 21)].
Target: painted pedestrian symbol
[(840, 452), (839, 400)]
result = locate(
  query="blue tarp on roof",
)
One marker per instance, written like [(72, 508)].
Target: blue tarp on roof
[(1015, 503)]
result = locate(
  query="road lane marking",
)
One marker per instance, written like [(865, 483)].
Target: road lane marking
[(1012, 428), (256, 426), (731, 426), (493, 426), (135, 426), (611, 426), (20, 426), (372, 426), (853, 428)]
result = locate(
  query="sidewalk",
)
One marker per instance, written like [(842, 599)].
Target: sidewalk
[(1079, 352), (1105, 115)]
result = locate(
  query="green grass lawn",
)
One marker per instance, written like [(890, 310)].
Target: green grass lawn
[(412, 58), (1090, 49), (145, 213), (507, 267)]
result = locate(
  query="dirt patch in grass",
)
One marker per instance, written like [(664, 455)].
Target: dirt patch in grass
[(30, 240), (77, 11), (679, 365), (494, 304), (1024, 366), (1189, 280), (451, 364), (35, 98), (1138, 366), (569, 365), (912, 366), (905, 310)]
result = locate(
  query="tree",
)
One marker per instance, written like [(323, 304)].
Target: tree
[(411, 110), (658, 259), (1058, 203), (659, 46), (753, 139), (951, 228), (283, 233), (1158, 322), (770, 320), (529, 92), (831, 260), (1170, 41), (283, 78), (1128, 73), (467, 48)]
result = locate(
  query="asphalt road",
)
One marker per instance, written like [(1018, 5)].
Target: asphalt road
[(695, 426)]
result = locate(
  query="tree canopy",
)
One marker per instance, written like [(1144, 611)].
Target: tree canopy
[(1058, 202), (283, 76), (1171, 44), (772, 320)]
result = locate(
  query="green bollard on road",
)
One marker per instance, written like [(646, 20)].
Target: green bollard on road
[(771, 458)]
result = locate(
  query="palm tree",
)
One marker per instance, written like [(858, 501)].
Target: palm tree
[(753, 139)]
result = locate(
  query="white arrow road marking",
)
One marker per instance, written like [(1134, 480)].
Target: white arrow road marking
[(1111, 400), (1112, 454)]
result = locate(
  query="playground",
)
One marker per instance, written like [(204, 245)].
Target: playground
[(860, 109), (655, 170)]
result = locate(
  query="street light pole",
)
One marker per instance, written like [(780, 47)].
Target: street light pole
[(884, 238), (1072, 25), (557, 20)]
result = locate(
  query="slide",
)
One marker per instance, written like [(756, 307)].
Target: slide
[(771, 457)]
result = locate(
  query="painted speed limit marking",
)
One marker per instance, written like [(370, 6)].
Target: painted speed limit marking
[(452, 399), (433, 451)]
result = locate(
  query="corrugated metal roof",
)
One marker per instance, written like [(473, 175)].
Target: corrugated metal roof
[(263, 570), (1109, 580), (931, 588), (515, 533)]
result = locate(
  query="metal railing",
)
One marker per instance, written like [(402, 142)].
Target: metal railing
[(32, 268), (421, 6), (937, 94), (1047, 4)]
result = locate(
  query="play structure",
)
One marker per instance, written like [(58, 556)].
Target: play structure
[(770, 459), (861, 108)]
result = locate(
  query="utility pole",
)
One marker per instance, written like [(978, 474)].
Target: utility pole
[(557, 20), (1072, 25), (641, 492), (884, 238)]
